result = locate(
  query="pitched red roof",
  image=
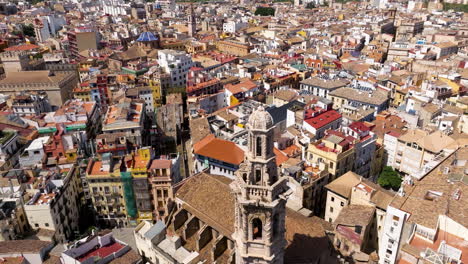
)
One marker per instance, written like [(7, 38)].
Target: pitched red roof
[(323, 119), (244, 86), (219, 149), (359, 127), (22, 47), (160, 164)]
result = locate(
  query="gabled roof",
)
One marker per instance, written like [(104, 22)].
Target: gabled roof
[(323, 119), (210, 199), (219, 149)]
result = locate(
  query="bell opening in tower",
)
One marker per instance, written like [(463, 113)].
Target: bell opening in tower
[(257, 228), (259, 146)]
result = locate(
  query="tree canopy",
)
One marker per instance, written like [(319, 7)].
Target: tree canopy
[(389, 178), (265, 11), (28, 30)]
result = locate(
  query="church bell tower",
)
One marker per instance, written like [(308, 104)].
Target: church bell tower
[(192, 22), (260, 197)]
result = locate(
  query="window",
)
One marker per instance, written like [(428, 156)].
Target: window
[(257, 228), (333, 199), (342, 204), (330, 220), (36, 225), (46, 224), (331, 209), (258, 175), (259, 146)]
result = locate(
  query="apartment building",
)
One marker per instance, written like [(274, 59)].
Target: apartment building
[(321, 87), (200, 83), (111, 192), (318, 120), (349, 199), (336, 150), (125, 117), (364, 148), (425, 222), (9, 146), (81, 39), (175, 63), (417, 151), (141, 188), (31, 104), (34, 154), (376, 100), (164, 174), (307, 184), (54, 203), (13, 220)]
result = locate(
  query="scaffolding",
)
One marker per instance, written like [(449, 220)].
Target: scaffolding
[(129, 195)]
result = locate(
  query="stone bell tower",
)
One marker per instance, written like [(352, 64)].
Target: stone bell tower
[(260, 197)]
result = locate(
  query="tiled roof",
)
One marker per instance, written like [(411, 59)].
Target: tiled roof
[(210, 199), (376, 98), (325, 84), (219, 149), (245, 85), (323, 119), (354, 215), (426, 212), (22, 246), (22, 47), (160, 164)]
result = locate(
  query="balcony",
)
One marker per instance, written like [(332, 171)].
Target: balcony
[(265, 193)]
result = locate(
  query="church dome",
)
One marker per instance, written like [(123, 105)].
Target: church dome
[(260, 119), (147, 36)]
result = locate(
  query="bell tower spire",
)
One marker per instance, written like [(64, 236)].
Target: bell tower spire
[(260, 197), (192, 22)]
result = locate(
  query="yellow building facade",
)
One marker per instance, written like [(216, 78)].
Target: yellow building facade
[(139, 172), (339, 160), (107, 192)]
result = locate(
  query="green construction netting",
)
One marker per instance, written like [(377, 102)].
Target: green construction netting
[(129, 196)]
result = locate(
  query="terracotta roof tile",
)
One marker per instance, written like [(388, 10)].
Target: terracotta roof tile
[(219, 149)]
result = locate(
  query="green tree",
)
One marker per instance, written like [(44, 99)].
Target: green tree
[(455, 7), (28, 30), (389, 178), (265, 11)]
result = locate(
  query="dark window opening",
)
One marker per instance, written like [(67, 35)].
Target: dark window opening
[(257, 228), (258, 175), (259, 146)]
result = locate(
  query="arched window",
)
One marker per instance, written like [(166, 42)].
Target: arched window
[(244, 176), (257, 228), (259, 146), (258, 175)]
